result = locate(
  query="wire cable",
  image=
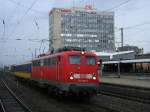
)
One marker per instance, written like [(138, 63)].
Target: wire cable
[(118, 5), (19, 22), (137, 25), (21, 5)]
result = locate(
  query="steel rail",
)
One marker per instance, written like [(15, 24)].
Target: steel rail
[(2, 106), (126, 92), (16, 101)]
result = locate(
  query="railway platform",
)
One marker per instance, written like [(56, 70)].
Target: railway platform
[(127, 80)]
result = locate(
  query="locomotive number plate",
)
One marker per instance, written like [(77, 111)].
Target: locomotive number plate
[(87, 76)]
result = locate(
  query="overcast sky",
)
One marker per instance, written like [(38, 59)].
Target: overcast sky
[(23, 23)]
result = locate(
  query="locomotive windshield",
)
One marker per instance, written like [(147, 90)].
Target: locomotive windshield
[(90, 60), (74, 59)]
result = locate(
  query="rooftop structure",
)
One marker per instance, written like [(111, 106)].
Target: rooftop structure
[(124, 55), (133, 48)]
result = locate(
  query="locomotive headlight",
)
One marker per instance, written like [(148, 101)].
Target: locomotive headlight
[(82, 52), (94, 78), (71, 77)]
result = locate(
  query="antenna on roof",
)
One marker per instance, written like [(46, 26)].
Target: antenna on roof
[(73, 3)]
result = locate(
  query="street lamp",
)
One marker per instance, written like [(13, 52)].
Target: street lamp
[(118, 64), (119, 68)]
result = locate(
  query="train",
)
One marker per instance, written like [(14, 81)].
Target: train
[(64, 72)]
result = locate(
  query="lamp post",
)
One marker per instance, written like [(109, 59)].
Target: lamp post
[(118, 64), (4, 27), (119, 68)]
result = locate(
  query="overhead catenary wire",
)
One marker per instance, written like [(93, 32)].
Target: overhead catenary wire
[(118, 5), (133, 26), (21, 5), (109, 9), (29, 39), (137, 25), (136, 9), (19, 22), (83, 2)]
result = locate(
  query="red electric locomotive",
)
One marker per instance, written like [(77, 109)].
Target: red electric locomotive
[(67, 71), (70, 71)]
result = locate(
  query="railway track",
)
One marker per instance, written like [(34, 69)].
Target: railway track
[(102, 103), (9, 102), (2, 109), (126, 92), (63, 105)]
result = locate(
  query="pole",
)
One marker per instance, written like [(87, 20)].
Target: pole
[(23, 57), (73, 3), (35, 53), (121, 37), (4, 27), (119, 69), (118, 65), (32, 55)]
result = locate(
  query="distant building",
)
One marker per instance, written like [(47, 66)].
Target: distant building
[(82, 27), (131, 48), (143, 56)]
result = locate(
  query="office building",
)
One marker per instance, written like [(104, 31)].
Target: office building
[(82, 27)]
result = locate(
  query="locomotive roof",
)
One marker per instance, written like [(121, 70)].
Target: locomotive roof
[(66, 53), (57, 54), (25, 63)]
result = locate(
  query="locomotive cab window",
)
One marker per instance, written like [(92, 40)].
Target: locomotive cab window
[(90, 60), (74, 59)]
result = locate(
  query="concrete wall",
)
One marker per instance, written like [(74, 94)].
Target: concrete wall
[(56, 29)]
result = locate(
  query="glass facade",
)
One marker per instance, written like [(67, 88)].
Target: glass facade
[(90, 30)]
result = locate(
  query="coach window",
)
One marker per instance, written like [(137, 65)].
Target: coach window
[(74, 59), (53, 61), (45, 62), (90, 60), (34, 63), (49, 61), (42, 62), (38, 62)]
